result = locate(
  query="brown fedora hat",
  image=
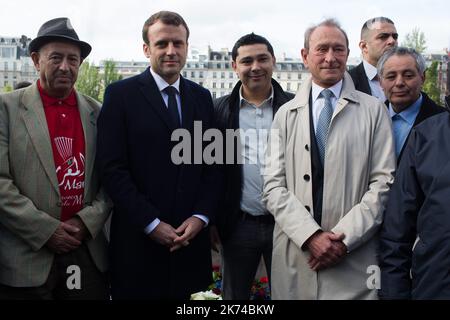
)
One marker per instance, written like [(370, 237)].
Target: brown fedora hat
[(58, 29)]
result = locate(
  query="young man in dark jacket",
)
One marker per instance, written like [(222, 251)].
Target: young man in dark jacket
[(244, 225)]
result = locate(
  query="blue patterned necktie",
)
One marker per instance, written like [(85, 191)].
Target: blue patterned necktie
[(172, 105), (324, 123)]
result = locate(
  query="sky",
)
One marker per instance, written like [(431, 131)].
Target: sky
[(113, 28)]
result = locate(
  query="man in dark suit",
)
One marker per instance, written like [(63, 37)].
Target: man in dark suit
[(377, 35), (245, 225), (160, 246), (402, 74)]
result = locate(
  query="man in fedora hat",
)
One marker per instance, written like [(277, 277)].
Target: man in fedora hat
[(52, 211)]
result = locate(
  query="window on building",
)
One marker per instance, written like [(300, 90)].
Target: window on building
[(7, 52), (193, 74), (230, 85), (299, 76), (231, 75), (288, 88), (278, 76), (214, 95), (201, 74), (227, 66), (214, 85), (222, 85), (184, 74), (219, 66), (214, 75), (201, 83), (289, 76), (222, 75)]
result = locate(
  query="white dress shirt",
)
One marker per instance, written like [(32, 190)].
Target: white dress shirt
[(374, 83)]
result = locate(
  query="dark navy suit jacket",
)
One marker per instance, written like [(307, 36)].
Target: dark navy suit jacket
[(360, 80), (134, 159), (415, 236)]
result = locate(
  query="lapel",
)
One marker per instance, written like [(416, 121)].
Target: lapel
[(36, 124), (88, 120), (150, 90), (187, 105), (348, 94)]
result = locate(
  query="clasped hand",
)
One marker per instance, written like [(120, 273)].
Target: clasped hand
[(177, 238), (326, 248)]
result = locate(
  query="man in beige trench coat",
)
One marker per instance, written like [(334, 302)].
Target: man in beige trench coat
[(329, 165)]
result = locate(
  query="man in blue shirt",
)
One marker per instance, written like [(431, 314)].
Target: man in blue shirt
[(402, 74)]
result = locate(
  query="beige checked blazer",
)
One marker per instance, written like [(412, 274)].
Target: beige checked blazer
[(29, 194)]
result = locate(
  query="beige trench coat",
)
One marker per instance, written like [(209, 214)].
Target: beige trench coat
[(358, 172)]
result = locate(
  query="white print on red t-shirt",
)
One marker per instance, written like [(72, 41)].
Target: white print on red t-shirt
[(72, 169)]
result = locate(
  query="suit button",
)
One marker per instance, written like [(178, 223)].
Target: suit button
[(308, 208), (306, 177), (306, 147)]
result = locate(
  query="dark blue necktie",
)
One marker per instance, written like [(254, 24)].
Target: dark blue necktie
[(172, 105)]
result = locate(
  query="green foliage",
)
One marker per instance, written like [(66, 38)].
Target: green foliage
[(430, 87), (88, 81), (7, 88), (93, 83), (416, 40)]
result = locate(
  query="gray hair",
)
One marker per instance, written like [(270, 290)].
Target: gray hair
[(401, 51), (326, 23), (368, 25)]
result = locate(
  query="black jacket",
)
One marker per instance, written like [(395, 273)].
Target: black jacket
[(419, 206), (360, 80), (134, 151), (226, 111), (428, 108)]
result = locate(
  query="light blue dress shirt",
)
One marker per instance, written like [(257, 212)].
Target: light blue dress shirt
[(403, 122), (255, 123)]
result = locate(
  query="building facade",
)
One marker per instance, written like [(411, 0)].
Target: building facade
[(15, 63), (213, 70)]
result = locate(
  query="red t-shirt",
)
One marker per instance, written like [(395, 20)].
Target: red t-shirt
[(68, 145)]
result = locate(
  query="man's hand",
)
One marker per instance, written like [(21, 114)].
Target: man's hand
[(164, 234), (215, 238), (62, 240), (78, 223), (326, 249), (187, 231)]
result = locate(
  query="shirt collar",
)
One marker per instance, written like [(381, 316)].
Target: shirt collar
[(410, 113), (371, 71), (317, 90), (162, 84), (268, 100), (70, 100)]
